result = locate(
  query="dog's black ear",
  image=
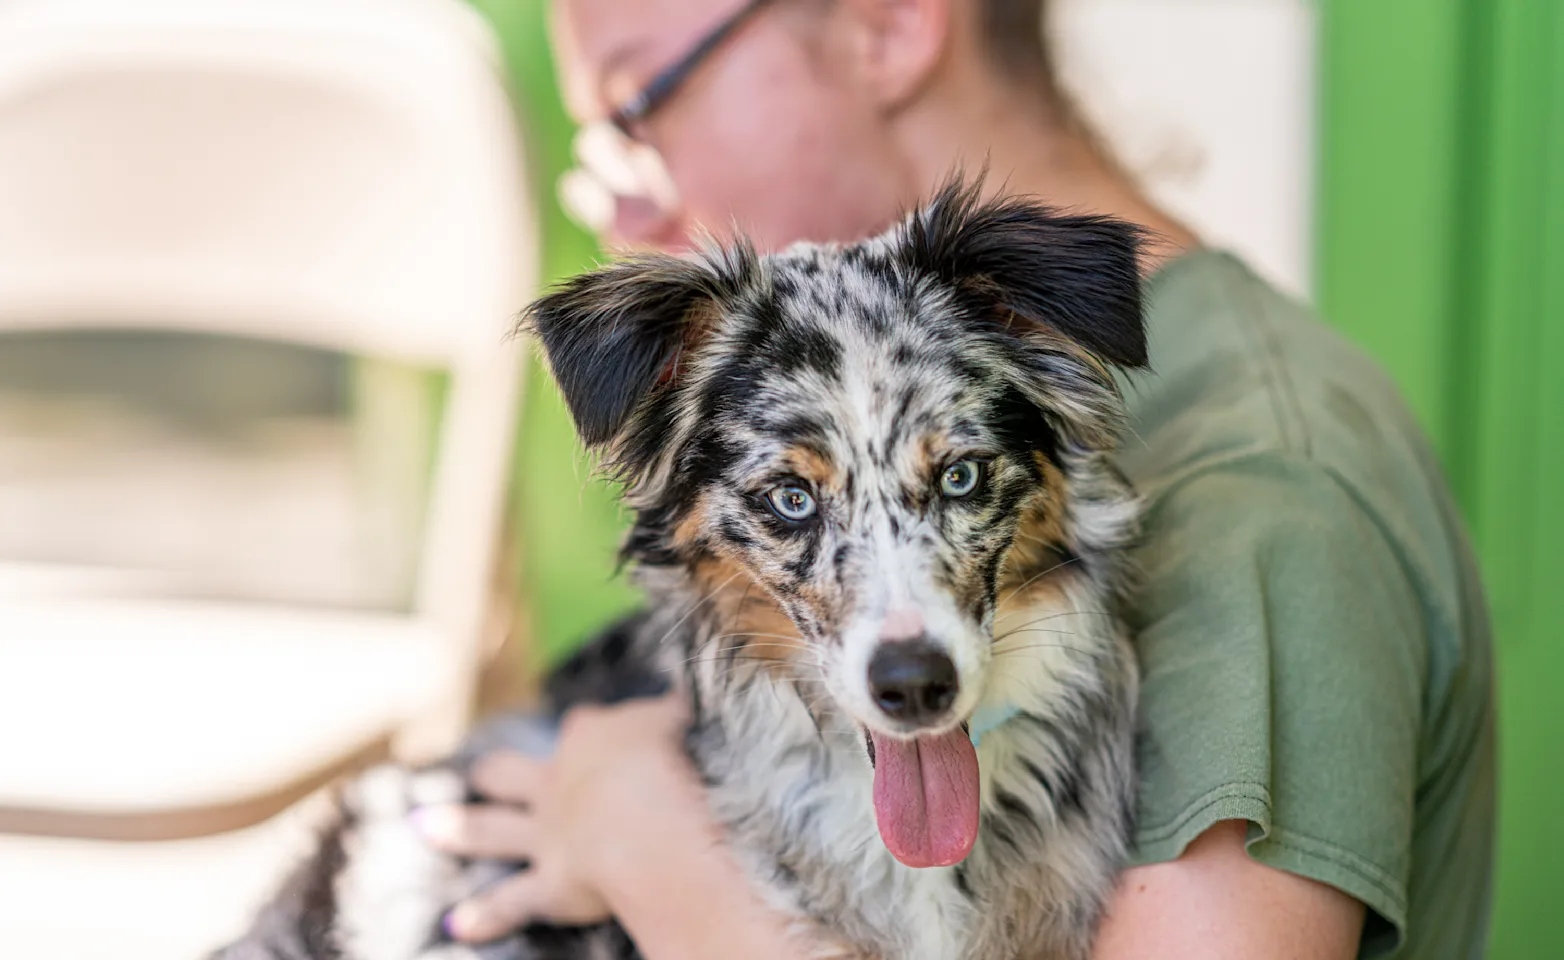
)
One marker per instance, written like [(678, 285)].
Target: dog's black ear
[(1079, 275), (612, 336)]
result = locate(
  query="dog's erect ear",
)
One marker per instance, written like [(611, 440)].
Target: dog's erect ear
[(614, 335), (1079, 275)]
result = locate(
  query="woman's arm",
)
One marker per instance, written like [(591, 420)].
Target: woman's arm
[(616, 825), (1216, 903)]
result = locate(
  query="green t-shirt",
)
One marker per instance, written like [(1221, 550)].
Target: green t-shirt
[(1312, 631)]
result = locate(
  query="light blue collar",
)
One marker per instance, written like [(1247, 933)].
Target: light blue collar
[(987, 719)]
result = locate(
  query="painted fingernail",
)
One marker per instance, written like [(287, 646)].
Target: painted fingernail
[(432, 823), (419, 819), (458, 923)]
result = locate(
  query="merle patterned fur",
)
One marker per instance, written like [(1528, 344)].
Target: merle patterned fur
[(983, 331)]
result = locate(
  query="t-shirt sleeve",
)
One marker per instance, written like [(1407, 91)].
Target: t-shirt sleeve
[(1283, 657)]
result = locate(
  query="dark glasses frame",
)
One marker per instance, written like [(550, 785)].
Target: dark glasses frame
[(668, 80)]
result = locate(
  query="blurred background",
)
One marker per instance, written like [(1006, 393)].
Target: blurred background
[(278, 497)]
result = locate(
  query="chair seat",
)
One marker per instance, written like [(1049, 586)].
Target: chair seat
[(140, 719), (72, 899)]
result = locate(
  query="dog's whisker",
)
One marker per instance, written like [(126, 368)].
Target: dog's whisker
[(728, 667), (734, 649), (1003, 643), (696, 606), (726, 657), (779, 640), (1035, 577), (761, 633), (1000, 636), (725, 669), (1062, 613), (1018, 651)]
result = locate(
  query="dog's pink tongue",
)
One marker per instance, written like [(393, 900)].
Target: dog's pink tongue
[(926, 797)]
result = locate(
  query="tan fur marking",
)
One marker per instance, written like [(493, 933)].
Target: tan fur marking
[(689, 530), (750, 618), (1040, 545), (808, 464), (933, 451)]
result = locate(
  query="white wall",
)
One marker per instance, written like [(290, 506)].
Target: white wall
[(1211, 104)]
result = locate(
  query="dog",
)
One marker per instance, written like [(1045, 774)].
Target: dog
[(886, 548)]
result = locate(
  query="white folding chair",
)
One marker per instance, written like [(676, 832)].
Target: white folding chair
[(334, 174)]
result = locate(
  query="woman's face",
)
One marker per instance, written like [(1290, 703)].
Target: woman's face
[(770, 134)]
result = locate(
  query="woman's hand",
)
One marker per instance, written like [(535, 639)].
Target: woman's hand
[(616, 774)]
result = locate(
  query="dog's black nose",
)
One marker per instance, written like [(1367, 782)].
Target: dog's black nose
[(912, 681)]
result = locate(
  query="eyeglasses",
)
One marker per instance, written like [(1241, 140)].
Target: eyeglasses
[(612, 161)]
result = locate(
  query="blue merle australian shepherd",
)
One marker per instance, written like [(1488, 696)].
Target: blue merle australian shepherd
[(884, 545)]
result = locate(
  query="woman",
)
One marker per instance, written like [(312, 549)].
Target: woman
[(1317, 751)]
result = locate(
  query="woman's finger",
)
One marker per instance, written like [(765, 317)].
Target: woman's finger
[(497, 911), (507, 776), (486, 831), (535, 895)]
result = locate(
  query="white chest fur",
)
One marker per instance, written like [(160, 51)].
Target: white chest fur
[(796, 793), (800, 796)]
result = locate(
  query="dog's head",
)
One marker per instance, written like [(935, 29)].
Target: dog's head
[(879, 441)]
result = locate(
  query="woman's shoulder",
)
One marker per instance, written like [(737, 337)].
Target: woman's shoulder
[(1247, 387), (1310, 626)]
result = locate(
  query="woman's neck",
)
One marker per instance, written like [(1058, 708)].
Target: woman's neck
[(1054, 158)]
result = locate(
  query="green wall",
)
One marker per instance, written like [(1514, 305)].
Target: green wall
[(1442, 249)]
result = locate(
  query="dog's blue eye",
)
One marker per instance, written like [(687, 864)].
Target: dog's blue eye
[(794, 504), (961, 478)]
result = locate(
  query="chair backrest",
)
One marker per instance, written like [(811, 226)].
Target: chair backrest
[(344, 174), (341, 173)]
